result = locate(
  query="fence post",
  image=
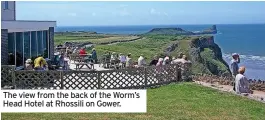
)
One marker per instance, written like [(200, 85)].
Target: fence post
[(145, 77), (62, 80), (98, 78), (13, 77)]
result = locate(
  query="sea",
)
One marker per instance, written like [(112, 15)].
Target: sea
[(248, 40)]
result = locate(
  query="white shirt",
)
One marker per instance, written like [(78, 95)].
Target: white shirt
[(241, 84), (141, 61)]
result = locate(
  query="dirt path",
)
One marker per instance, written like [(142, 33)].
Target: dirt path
[(257, 95)]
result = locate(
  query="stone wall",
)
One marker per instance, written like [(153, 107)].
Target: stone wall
[(4, 46), (51, 42), (254, 84)]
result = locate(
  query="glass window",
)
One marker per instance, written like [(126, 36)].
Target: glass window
[(39, 40), (33, 44), (19, 49), (27, 45), (45, 43), (6, 5), (11, 49)]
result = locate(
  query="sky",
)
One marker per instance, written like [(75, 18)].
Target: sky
[(142, 13)]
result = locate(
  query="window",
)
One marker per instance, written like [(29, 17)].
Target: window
[(40, 43), (45, 43), (34, 45), (6, 5), (19, 49), (11, 49), (27, 45)]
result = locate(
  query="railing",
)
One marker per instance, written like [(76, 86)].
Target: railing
[(254, 84), (132, 78)]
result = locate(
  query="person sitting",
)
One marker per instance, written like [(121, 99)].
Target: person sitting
[(82, 52), (40, 63), (94, 55), (154, 61), (28, 64), (241, 82), (141, 61)]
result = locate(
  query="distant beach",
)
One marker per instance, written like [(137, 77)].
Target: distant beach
[(247, 40)]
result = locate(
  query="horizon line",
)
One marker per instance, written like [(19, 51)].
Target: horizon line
[(156, 25)]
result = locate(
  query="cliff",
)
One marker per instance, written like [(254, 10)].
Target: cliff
[(180, 31), (205, 55)]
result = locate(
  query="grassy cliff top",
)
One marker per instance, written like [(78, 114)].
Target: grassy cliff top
[(171, 102)]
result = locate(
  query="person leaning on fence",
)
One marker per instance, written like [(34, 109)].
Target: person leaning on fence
[(241, 82), (122, 60), (141, 61), (40, 63), (178, 61), (186, 73), (129, 62), (154, 61), (28, 64), (166, 60)]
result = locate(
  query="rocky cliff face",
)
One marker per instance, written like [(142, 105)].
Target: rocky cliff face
[(204, 51), (205, 55)]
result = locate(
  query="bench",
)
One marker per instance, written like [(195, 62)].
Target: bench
[(79, 66)]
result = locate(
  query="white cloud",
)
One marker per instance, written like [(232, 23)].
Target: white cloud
[(156, 12), (72, 14)]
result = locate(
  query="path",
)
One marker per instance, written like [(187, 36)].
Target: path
[(257, 95)]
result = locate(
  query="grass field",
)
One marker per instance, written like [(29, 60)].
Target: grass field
[(94, 38), (171, 102)]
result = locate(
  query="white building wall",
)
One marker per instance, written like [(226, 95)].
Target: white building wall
[(10, 13)]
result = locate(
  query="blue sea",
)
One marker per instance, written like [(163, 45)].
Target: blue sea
[(248, 40)]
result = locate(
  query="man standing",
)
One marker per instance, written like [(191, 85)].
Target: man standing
[(94, 56), (234, 66)]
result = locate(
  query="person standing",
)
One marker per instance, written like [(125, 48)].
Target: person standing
[(154, 61), (186, 68), (122, 60), (94, 55), (129, 62), (234, 66), (141, 61)]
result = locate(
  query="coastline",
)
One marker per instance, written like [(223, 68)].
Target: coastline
[(255, 62)]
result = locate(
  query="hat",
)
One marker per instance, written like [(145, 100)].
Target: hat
[(234, 54), (94, 49), (28, 61)]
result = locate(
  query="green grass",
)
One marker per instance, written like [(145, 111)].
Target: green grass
[(94, 38), (171, 102), (208, 56), (148, 46)]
